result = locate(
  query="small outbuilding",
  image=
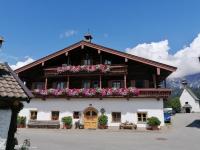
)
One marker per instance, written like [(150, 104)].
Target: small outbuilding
[(12, 93), (189, 101)]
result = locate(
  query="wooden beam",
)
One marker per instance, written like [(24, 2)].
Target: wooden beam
[(99, 51), (100, 82), (126, 59), (66, 54), (125, 81), (158, 71), (67, 82), (82, 46), (46, 83), (42, 64), (154, 81)]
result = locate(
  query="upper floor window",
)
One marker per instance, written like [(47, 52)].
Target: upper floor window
[(86, 84), (139, 83), (107, 62), (59, 85), (87, 60), (76, 114), (95, 84), (116, 84), (38, 85)]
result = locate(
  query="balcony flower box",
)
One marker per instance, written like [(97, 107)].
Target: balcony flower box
[(90, 92)]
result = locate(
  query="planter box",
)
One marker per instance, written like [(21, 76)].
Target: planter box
[(103, 127)]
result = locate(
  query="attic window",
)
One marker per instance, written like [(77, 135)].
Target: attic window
[(186, 102)]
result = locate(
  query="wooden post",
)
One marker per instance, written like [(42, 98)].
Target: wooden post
[(165, 83), (154, 81), (100, 82), (46, 82), (67, 82), (125, 81)]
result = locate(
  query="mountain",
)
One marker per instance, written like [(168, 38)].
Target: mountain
[(192, 80)]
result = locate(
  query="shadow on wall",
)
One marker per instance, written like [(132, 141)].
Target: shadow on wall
[(194, 124)]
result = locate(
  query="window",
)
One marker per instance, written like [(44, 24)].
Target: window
[(59, 85), (116, 84), (95, 84), (33, 115), (87, 60), (186, 102), (116, 116), (54, 115), (86, 84), (142, 116), (38, 85), (107, 62), (139, 83), (76, 114)]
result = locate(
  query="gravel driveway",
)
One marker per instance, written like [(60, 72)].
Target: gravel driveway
[(184, 134)]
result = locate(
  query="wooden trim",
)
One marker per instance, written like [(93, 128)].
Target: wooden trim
[(101, 48), (125, 86)]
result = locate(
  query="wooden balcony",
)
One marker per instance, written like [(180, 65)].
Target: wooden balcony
[(139, 93), (112, 70)]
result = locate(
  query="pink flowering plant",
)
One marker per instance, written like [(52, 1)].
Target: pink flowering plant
[(90, 92), (84, 68)]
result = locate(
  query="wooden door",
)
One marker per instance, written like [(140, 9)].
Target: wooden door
[(90, 118)]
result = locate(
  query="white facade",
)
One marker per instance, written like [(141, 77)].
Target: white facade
[(187, 97), (5, 116), (128, 108)]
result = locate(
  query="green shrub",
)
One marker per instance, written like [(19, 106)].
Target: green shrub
[(21, 120), (153, 121), (67, 120), (103, 120), (173, 103)]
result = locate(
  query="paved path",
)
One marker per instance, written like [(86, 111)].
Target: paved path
[(177, 137)]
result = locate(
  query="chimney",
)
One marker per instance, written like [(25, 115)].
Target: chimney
[(184, 83), (88, 37)]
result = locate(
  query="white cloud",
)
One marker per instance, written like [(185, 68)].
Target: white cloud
[(186, 59), (68, 34), (19, 64)]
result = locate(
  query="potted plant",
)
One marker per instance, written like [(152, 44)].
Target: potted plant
[(103, 120), (67, 122), (21, 122), (153, 123)]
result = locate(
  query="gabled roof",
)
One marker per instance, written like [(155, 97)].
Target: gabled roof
[(101, 48), (189, 90), (11, 87)]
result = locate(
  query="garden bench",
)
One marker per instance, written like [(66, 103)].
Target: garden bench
[(52, 124)]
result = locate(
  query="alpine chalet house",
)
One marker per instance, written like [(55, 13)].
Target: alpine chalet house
[(85, 79)]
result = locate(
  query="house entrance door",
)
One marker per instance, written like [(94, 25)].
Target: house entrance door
[(90, 118), (187, 110)]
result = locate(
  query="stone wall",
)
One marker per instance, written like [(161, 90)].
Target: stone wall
[(5, 116)]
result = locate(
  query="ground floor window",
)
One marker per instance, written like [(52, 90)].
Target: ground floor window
[(116, 116), (54, 115), (76, 114), (142, 117), (33, 115)]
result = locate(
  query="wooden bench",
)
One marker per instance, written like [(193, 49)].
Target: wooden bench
[(49, 124)]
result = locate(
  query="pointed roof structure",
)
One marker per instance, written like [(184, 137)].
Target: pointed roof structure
[(101, 48)]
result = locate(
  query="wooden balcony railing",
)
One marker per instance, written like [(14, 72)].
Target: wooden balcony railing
[(105, 92), (90, 69)]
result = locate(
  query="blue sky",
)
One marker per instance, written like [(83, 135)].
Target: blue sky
[(36, 28)]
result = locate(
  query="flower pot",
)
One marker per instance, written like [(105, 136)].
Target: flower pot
[(153, 128), (67, 126), (103, 127)]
